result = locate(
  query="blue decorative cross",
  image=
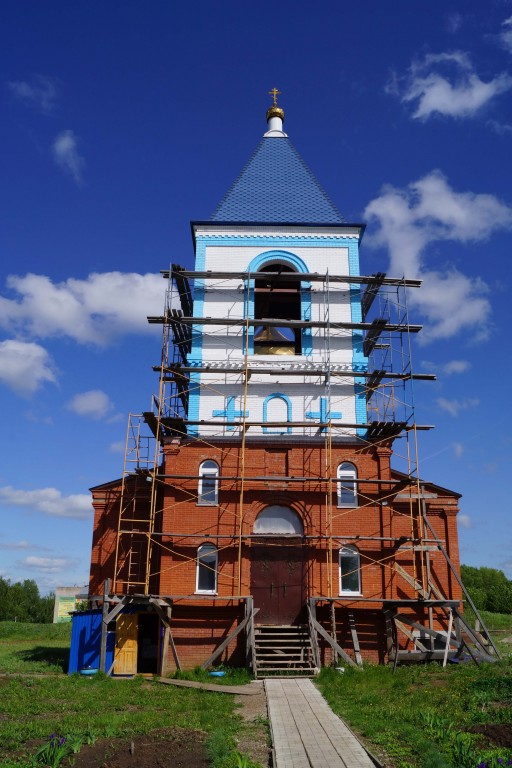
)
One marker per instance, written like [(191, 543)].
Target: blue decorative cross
[(230, 413), (323, 414)]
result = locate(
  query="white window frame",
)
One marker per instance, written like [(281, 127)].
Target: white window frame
[(354, 551), (211, 472), (347, 473), (210, 548)]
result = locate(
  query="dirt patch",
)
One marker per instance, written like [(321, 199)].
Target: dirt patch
[(499, 734), (166, 748), (253, 737)]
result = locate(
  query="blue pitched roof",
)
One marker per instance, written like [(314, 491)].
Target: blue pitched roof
[(277, 186)]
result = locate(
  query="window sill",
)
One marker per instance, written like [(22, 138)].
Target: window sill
[(207, 504), (351, 594), (205, 592)]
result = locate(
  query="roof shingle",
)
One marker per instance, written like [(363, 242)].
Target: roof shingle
[(276, 186)]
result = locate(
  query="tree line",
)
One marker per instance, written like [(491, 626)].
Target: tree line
[(21, 601), (489, 588)]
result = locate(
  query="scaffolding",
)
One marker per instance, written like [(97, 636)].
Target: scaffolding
[(386, 383)]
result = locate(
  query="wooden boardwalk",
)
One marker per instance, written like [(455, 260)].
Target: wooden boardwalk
[(305, 731)]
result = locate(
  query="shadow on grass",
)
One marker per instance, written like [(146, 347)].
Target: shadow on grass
[(56, 657)]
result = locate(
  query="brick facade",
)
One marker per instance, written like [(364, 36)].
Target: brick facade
[(385, 527)]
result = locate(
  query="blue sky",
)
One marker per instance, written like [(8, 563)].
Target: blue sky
[(122, 121)]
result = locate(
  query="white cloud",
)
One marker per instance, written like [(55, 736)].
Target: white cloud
[(506, 35), (50, 501), (454, 407), (24, 366), (95, 310), (428, 211), (449, 368), (93, 404), (47, 564), (15, 545), (21, 545), (456, 366), (502, 129), (38, 418), (447, 84), (65, 153), (458, 450), (454, 22), (42, 92), (118, 447), (464, 521)]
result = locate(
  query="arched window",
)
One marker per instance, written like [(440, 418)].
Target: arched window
[(277, 407), (276, 299), (278, 519), (350, 571), (206, 570), (347, 486), (208, 486)]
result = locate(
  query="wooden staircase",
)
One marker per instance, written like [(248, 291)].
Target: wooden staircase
[(283, 651)]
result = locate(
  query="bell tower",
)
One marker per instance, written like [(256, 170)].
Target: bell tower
[(276, 343)]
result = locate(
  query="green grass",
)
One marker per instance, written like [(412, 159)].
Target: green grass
[(27, 631), (499, 625), (420, 716), (494, 620), (232, 676), (27, 648), (32, 708)]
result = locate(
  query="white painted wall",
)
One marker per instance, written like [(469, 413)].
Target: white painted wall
[(223, 345)]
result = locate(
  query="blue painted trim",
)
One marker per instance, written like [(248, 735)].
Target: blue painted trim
[(305, 297), (359, 359), (287, 400), (305, 311), (193, 402), (196, 353), (249, 307), (278, 241), (324, 414), (279, 256), (230, 412)]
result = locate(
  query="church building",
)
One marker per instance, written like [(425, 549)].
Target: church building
[(270, 512)]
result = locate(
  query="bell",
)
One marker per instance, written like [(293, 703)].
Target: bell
[(272, 341)]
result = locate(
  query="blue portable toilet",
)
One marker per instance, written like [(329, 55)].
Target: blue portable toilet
[(84, 652)]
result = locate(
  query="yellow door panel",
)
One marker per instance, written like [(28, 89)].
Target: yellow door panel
[(125, 656)]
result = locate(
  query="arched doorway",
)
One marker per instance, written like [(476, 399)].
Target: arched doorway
[(277, 566)]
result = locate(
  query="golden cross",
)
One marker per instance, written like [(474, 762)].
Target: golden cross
[(275, 93)]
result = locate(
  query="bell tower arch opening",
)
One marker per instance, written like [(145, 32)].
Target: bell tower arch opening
[(277, 299)]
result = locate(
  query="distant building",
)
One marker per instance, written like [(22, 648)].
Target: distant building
[(67, 599)]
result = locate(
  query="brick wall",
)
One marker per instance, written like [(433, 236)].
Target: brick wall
[(375, 527)]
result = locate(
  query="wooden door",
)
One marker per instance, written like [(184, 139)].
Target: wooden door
[(125, 655), (277, 582)]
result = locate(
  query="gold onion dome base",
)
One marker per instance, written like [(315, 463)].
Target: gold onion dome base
[(275, 111)]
